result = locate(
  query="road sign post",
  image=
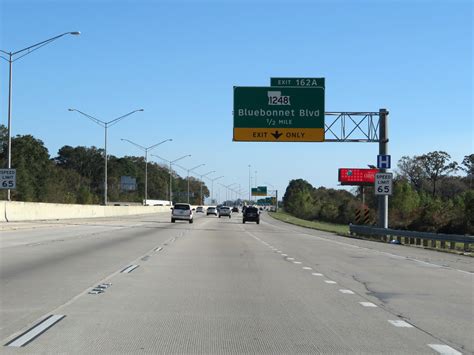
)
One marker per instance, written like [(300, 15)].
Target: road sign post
[(382, 221), (279, 114)]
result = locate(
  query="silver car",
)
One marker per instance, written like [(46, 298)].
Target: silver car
[(225, 212), (182, 211)]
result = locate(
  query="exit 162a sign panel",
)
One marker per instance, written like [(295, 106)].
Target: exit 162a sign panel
[(279, 114)]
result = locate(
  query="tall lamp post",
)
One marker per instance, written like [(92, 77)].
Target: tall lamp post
[(146, 149), (190, 170), (105, 125), (171, 162), (13, 57), (203, 175), (250, 187), (212, 186)]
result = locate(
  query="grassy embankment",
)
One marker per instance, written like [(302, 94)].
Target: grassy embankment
[(323, 226)]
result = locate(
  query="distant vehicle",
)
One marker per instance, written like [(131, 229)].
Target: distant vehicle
[(224, 212), (211, 210), (235, 209), (182, 211), (251, 214), (200, 209)]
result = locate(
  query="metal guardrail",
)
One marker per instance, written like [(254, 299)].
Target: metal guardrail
[(416, 238)]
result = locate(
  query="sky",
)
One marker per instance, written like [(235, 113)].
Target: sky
[(179, 61)]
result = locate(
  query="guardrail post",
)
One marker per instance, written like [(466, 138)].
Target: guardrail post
[(452, 245), (418, 241), (425, 242), (443, 244)]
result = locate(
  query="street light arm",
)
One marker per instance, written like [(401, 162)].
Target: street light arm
[(5, 58), (184, 156), (197, 166), (157, 156), (156, 145), (4, 52), (92, 118), (219, 177), (135, 144), (118, 119), (38, 45)]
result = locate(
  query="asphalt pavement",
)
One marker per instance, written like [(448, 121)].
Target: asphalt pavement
[(218, 286)]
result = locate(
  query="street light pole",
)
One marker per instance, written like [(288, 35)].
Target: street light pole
[(171, 171), (10, 61), (105, 125), (250, 188), (202, 176), (146, 149), (212, 185), (189, 170)]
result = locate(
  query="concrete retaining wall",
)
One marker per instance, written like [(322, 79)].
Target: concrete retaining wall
[(29, 211)]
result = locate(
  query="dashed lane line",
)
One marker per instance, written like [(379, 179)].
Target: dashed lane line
[(35, 331), (347, 292), (330, 282), (368, 304), (444, 349), (317, 274), (129, 269), (400, 323), (307, 268)]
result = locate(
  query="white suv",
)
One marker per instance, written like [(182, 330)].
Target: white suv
[(182, 211)]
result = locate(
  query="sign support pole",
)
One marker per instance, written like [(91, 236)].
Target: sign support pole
[(383, 150)]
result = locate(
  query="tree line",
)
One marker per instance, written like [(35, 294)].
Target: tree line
[(430, 193), (76, 175)]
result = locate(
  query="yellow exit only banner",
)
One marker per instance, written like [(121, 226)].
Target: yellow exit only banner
[(279, 134)]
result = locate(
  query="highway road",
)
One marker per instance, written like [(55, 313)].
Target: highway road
[(218, 286)]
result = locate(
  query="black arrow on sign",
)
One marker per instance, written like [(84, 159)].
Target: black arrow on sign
[(277, 134)]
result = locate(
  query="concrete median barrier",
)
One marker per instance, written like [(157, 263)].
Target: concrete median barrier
[(15, 211)]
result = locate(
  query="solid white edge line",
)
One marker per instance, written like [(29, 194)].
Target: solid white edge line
[(444, 349), (368, 304), (36, 331), (400, 323), (348, 292)]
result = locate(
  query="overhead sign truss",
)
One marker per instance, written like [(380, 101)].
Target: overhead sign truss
[(352, 127)]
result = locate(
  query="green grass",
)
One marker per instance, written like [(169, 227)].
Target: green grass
[(323, 226)]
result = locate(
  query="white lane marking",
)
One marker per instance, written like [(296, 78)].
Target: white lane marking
[(36, 331), (296, 262), (444, 349), (348, 292), (400, 323), (291, 259), (159, 249), (316, 274), (307, 268), (129, 269), (284, 254), (368, 249), (368, 304), (330, 282), (279, 251)]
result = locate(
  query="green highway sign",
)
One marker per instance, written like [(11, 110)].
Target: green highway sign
[(259, 191), (299, 82), (279, 114)]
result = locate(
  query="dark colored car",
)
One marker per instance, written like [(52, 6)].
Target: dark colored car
[(235, 209), (251, 214)]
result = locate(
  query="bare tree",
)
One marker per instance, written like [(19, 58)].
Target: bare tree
[(435, 165)]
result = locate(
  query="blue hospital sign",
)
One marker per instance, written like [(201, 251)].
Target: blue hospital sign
[(383, 161)]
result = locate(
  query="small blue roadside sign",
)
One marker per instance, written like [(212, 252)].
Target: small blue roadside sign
[(383, 161)]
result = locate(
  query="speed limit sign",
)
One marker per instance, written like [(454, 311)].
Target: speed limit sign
[(7, 179), (383, 183)]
